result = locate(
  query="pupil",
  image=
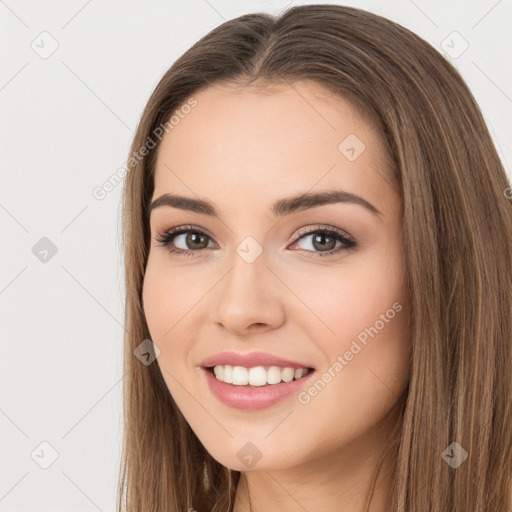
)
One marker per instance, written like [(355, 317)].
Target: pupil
[(320, 240), (195, 239)]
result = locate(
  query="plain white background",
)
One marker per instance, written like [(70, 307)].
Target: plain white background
[(75, 77)]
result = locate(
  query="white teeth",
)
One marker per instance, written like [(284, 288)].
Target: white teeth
[(258, 375), (240, 376), (287, 374), (274, 375), (228, 374)]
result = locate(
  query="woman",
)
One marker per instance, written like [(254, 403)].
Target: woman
[(318, 289)]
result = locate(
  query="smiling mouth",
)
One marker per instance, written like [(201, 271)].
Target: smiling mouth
[(257, 376)]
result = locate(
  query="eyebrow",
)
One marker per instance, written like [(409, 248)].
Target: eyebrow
[(280, 208)]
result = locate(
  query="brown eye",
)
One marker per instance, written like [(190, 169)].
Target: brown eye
[(323, 242), (195, 240), (184, 240)]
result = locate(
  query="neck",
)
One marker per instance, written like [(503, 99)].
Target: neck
[(271, 490), (339, 481)]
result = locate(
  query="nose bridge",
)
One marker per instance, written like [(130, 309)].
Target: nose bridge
[(246, 296), (248, 273)]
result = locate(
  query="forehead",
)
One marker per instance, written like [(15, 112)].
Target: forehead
[(278, 140)]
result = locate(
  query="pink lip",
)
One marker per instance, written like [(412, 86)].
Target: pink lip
[(251, 359), (252, 398)]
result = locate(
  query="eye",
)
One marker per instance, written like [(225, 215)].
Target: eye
[(323, 241), (190, 238)]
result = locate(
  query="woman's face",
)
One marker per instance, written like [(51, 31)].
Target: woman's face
[(269, 279)]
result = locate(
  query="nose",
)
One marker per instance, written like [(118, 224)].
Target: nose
[(249, 298)]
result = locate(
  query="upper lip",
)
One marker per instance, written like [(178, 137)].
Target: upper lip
[(250, 360)]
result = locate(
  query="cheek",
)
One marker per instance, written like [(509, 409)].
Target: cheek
[(172, 300), (363, 308), (157, 298), (373, 342), (163, 303), (366, 360), (167, 296), (344, 301)]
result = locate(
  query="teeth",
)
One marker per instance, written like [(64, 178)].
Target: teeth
[(240, 376), (273, 375), (287, 374), (258, 375)]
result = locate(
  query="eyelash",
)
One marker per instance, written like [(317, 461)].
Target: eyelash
[(168, 236)]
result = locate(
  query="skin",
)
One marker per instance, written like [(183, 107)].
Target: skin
[(242, 149)]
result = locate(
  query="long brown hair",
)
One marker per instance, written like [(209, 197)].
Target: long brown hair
[(457, 231)]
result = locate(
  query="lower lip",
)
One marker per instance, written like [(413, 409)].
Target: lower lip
[(253, 398)]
